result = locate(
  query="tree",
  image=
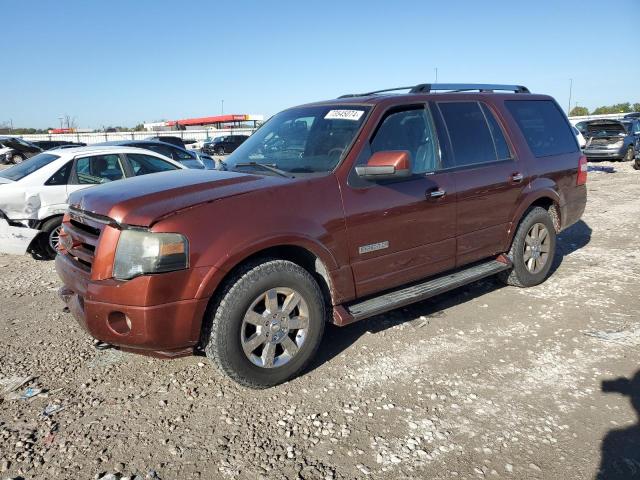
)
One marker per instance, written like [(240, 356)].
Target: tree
[(139, 128), (636, 107), (579, 111), (617, 108)]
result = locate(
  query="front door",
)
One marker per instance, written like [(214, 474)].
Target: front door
[(403, 230)]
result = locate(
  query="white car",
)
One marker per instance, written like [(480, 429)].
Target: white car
[(34, 193), (581, 141)]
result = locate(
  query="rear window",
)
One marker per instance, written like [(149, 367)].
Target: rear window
[(544, 127), (21, 170)]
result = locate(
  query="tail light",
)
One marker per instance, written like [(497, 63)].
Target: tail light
[(582, 171)]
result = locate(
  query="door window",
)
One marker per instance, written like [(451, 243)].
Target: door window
[(502, 147), (469, 133), (98, 169), (412, 131), (61, 176), (145, 164)]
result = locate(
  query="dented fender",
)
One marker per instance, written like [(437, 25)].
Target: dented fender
[(15, 240)]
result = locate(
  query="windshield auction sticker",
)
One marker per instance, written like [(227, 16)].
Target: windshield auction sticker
[(344, 115)]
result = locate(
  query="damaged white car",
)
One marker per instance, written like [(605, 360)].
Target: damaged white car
[(34, 193)]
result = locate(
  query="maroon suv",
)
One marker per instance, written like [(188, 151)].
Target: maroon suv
[(330, 212)]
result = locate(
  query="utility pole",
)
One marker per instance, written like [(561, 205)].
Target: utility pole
[(60, 118), (570, 92), (221, 107), (436, 75)]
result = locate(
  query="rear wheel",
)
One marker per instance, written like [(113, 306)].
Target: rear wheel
[(220, 150), (532, 250), (50, 238), (267, 325)]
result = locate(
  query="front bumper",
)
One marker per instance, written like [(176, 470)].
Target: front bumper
[(165, 330), (614, 154), (15, 240)]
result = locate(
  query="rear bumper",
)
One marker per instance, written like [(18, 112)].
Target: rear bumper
[(166, 330)]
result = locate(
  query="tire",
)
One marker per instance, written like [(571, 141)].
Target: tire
[(244, 297), (16, 158), (220, 150), (49, 230), (630, 155), (636, 164), (522, 274)]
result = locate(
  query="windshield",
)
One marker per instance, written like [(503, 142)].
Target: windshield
[(302, 140), (18, 172)]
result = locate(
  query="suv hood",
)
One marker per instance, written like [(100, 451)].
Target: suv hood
[(142, 201)]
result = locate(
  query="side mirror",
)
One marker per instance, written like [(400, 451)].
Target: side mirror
[(386, 165)]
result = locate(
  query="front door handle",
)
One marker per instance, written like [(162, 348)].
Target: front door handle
[(517, 177), (436, 193)]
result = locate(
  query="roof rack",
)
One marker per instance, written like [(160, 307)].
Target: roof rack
[(451, 87)]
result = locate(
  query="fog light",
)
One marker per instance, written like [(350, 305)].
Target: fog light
[(119, 323)]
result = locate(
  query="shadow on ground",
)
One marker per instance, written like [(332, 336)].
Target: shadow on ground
[(621, 447), (338, 339)]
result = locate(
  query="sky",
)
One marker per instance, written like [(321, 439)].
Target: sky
[(120, 62)]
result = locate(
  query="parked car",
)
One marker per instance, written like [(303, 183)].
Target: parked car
[(611, 139), (34, 193), (51, 144), (177, 141), (185, 157), (224, 145), (16, 150), (375, 202), (581, 141), (632, 115)]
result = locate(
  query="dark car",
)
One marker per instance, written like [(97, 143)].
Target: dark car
[(14, 149), (177, 141), (331, 212), (185, 157), (50, 144), (610, 139), (225, 145)]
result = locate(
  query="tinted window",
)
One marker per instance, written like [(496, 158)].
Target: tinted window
[(145, 164), (158, 148), (470, 136), (29, 166), (409, 130), (98, 169), (502, 147), (61, 177), (543, 126)]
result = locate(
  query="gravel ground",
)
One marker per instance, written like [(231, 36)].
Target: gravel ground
[(486, 381)]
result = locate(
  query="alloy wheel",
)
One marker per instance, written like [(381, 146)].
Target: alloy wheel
[(54, 238), (537, 245), (275, 327)]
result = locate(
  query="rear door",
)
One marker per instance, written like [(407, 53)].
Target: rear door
[(488, 177), (94, 170), (403, 230)]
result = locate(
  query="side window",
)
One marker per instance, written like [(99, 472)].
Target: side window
[(469, 132), (410, 130), (145, 164), (544, 127), (181, 155), (98, 169), (61, 177), (161, 149), (502, 147)]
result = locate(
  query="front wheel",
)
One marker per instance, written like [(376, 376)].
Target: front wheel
[(220, 150), (532, 250), (267, 325), (50, 238), (629, 156), (17, 158)]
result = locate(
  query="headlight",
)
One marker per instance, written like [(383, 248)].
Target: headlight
[(140, 252), (618, 144)]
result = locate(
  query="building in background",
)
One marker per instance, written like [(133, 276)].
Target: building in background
[(219, 122)]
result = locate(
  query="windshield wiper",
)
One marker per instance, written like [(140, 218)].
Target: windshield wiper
[(272, 167)]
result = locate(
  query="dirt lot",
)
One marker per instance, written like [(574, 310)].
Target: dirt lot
[(487, 381)]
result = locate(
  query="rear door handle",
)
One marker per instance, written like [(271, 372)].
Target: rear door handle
[(517, 177), (436, 193)]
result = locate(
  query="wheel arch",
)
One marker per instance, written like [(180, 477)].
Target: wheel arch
[(547, 199)]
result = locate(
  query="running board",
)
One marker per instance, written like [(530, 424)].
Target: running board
[(421, 291)]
